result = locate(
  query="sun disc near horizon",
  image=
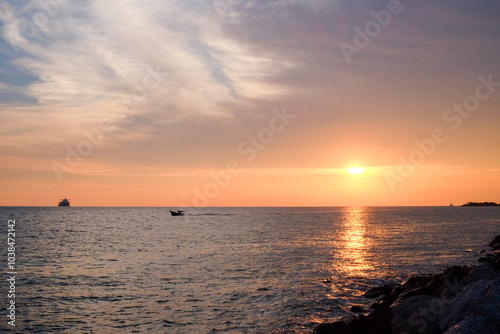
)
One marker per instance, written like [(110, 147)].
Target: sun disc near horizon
[(355, 170)]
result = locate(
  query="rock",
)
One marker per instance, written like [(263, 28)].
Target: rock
[(418, 290), (495, 242), (395, 294), (413, 281), (487, 258), (379, 303), (357, 309), (378, 322), (495, 263), (389, 288), (327, 328), (484, 271), (435, 286), (458, 272), (471, 325), (392, 292), (478, 298), (381, 298), (489, 307), (338, 327), (447, 284), (383, 292), (417, 315), (374, 292)]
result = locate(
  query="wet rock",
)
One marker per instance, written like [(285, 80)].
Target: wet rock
[(484, 271), (388, 288), (435, 286), (357, 309), (328, 328), (418, 290), (495, 243), (413, 281), (374, 292), (383, 292), (458, 272), (471, 325), (417, 315), (447, 284), (377, 322), (478, 298), (487, 258), (382, 303), (338, 327), (495, 263), (395, 294)]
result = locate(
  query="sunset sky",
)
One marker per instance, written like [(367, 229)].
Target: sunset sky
[(249, 103)]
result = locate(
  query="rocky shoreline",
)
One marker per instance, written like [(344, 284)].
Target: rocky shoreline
[(460, 300)]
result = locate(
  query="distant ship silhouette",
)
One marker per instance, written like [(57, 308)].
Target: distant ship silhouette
[(64, 202)]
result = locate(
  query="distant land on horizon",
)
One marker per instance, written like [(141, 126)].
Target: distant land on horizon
[(481, 204)]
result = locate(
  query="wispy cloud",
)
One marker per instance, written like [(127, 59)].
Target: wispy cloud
[(224, 66)]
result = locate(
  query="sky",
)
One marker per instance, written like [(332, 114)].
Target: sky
[(185, 103)]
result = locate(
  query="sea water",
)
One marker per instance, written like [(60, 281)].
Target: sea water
[(221, 270)]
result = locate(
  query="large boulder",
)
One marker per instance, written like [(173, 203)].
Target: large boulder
[(446, 285), (417, 315), (375, 292), (418, 280), (410, 292), (495, 243), (484, 271), (338, 327), (479, 298), (472, 325), (378, 291), (377, 322), (495, 263)]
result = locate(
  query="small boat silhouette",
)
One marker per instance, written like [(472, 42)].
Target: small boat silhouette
[(177, 213)]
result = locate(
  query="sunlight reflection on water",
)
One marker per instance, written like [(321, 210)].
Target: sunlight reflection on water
[(351, 251)]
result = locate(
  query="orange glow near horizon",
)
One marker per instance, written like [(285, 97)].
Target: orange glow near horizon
[(264, 187)]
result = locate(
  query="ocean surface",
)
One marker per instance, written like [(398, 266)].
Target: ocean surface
[(222, 270)]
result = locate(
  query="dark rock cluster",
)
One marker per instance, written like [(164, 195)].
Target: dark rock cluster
[(460, 300)]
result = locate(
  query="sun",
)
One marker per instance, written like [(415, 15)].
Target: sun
[(355, 170)]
